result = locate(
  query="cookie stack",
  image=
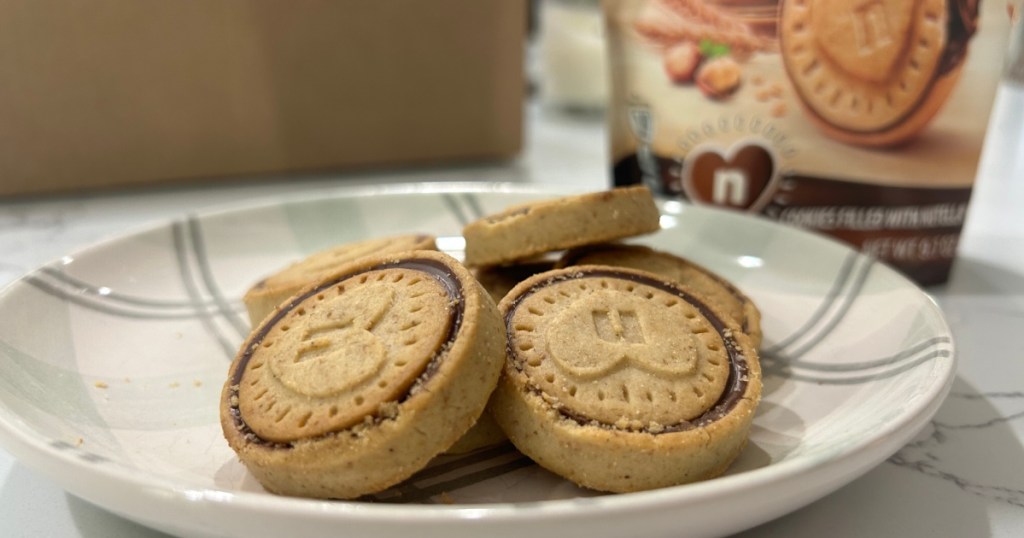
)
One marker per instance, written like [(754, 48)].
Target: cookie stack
[(618, 367)]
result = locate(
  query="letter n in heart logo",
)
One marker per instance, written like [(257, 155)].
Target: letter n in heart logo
[(739, 178)]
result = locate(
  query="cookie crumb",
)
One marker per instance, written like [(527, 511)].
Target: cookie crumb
[(445, 498), (100, 385), (388, 410)]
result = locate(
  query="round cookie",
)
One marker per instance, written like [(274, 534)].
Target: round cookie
[(497, 280), (484, 433), (621, 381), (266, 294), (701, 280), (363, 377), (500, 279), (873, 74), (530, 229)]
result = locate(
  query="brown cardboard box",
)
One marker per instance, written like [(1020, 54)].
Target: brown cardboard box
[(118, 92)]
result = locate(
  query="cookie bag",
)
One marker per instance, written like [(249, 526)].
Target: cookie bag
[(863, 120)]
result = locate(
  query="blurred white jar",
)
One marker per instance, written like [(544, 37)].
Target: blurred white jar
[(1015, 57), (571, 55)]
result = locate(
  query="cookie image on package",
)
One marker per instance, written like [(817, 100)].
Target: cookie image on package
[(618, 380), (527, 230), (363, 377), (874, 73), (711, 286), (261, 299)]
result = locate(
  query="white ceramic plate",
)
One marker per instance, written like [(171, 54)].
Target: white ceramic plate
[(112, 360)]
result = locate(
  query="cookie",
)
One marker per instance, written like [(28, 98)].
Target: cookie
[(363, 377), (266, 294), (874, 73), (500, 279), (531, 229), (714, 288), (497, 281), (484, 433), (619, 380)]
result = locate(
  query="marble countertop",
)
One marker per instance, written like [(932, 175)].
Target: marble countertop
[(962, 476)]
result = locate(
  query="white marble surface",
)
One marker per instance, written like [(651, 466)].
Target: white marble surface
[(963, 476)]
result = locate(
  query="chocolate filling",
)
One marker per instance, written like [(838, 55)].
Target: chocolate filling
[(735, 386), (435, 269), (960, 28)]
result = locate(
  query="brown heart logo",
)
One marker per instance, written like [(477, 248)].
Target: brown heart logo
[(739, 179)]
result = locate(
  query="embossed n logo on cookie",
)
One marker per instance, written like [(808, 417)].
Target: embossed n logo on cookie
[(335, 355), (613, 325), (871, 27), (590, 339), (741, 178)]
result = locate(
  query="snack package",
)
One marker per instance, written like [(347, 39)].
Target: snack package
[(862, 119)]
